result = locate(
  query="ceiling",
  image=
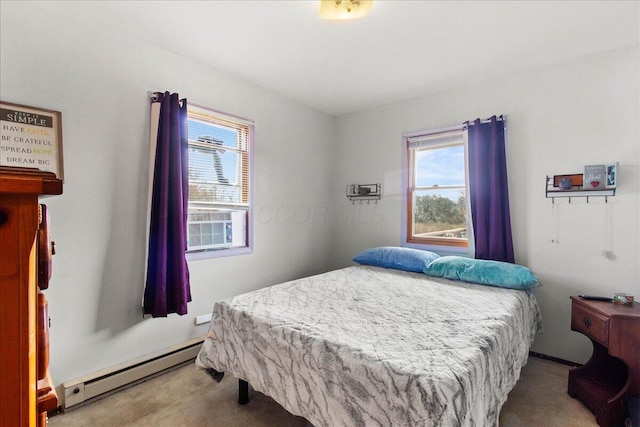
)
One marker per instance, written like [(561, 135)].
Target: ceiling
[(401, 50)]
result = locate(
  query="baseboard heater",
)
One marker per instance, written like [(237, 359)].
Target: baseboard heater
[(89, 387)]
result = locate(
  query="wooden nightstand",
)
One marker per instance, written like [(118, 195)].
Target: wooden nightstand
[(613, 372)]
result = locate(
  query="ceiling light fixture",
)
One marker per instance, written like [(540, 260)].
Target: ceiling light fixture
[(344, 9)]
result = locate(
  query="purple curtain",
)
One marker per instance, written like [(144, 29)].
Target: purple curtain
[(167, 287), (488, 190)]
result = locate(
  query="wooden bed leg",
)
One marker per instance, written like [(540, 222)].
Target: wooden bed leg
[(243, 392)]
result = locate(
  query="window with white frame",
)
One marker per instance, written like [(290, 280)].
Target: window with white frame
[(436, 193), (219, 182)]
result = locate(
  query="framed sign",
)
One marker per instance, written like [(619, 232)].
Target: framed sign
[(31, 137)]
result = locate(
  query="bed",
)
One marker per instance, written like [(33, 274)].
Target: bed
[(374, 346)]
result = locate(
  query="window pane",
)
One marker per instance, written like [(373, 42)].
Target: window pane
[(439, 166), (214, 176), (219, 180), (213, 165), (440, 213), (199, 128), (437, 188)]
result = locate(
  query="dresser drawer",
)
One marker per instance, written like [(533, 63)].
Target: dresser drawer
[(592, 324)]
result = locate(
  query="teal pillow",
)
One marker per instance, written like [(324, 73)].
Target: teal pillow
[(406, 259), (484, 272)]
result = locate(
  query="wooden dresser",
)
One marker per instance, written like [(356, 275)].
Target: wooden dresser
[(26, 391), (613, 372)]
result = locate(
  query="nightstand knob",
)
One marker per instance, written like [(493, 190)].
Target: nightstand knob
[(586, 321)]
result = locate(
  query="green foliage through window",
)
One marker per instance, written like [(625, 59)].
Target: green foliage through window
[(434, 213)]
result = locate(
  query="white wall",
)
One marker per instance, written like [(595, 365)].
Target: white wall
[(559, 119), (100, 80)]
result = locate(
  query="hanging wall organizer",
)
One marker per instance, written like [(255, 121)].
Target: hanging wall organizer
[(364, 192), (572, 186)]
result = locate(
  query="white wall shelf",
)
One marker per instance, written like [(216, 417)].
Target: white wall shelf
[(552, 192), (364, 192)]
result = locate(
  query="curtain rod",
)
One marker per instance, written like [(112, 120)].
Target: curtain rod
[(153, 96), (459, 127), (500, 118)]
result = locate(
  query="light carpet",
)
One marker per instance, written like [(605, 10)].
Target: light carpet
[(188, 397)]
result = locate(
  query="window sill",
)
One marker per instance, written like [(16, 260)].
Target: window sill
[(440, 249), (194, 256)]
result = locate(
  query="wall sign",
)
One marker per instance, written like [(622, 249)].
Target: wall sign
[(31, 138)]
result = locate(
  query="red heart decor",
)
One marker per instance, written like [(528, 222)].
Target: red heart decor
[(594, 184)]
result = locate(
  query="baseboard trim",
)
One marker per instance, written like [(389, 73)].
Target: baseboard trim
[(99, 384), (553, 359)]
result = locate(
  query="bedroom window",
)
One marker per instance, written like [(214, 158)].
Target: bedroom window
[(219, 221), (436, 191)]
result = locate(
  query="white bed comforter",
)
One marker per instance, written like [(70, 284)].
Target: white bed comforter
[(368, 346)]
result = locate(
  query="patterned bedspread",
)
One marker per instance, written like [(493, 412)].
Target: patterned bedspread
[(368, 346)]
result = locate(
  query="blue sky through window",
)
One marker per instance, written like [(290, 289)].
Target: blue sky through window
[(442, 167)]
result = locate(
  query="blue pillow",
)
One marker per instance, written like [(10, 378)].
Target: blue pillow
[(484, 272), (406, 259)]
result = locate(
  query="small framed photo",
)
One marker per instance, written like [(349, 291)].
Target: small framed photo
[(612, 175)]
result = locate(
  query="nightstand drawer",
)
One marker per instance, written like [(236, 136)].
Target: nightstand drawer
[(591, 324)]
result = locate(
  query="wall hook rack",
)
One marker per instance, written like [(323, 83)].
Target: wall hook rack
[(364, 192), (552, 191)]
